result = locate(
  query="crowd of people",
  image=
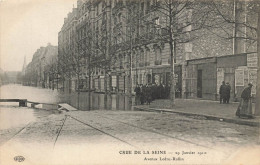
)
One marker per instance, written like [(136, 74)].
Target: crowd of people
[(149, 92), (224, 93)]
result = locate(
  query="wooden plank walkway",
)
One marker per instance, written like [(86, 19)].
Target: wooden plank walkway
[(67, 107), (22, 102), (47, 106)]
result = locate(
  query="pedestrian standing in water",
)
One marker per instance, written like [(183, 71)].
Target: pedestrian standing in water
[(245, 107), (222, 92), (228, 89)]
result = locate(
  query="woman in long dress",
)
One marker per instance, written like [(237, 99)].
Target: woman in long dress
[(245, 107)]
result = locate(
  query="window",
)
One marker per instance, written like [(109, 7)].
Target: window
[(142, 58), (119, 17), (157, 21), (147, 56), (147, 6), (97, 10), (142, 8)]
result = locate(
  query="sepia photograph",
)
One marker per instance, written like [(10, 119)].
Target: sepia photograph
[(129, 82)]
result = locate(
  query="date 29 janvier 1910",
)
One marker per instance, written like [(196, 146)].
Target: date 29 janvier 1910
[(162, 152)]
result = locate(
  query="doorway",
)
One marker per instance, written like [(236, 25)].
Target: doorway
[(230, 78), (199, 84)]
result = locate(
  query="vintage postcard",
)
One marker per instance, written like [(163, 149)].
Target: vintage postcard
[(129, 82)]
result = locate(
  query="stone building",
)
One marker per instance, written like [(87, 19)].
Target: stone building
[(67, 50), (114, 46), (117, 44), (42, 70)]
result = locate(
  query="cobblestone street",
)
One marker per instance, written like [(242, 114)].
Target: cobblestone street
[(105, 136)]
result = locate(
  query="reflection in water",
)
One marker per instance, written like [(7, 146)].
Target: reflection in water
[(97, 101), (93, 100), (11, 115)]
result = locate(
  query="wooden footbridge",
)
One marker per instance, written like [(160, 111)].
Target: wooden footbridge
[(22, 102), (48, 106)]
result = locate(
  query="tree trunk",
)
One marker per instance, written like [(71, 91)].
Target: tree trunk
[(63, 85), (53, 83), (78, 92), (257, 108), (57, 82), (89, 90), (172, 91), (89, 82)]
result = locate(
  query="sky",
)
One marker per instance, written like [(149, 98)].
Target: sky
[(26, 25)]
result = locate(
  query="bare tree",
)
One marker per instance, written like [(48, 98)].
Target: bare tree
[(170, 22), (250, 10)]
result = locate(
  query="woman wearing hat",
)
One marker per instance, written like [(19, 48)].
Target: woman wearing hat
[(245, 107)]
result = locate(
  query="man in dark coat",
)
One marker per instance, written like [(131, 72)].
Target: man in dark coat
[(164, 92), (142, 99), (160, 89), (227, 91), (222, 92), (148, 94)]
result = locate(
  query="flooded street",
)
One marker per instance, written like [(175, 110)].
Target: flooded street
[(13, 117), (109, 129), (97, 100)]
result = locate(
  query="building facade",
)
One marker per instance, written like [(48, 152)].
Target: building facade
[(113, 45), (42, 70)]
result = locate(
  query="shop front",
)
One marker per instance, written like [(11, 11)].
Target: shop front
[(205, 76), (162, 76)]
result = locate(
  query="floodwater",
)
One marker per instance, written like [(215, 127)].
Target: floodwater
[(81, 101), (11, 115)]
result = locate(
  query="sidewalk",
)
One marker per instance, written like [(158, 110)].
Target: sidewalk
[(207, 109)]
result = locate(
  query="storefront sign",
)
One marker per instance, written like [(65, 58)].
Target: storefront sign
[(252, 60), (252, 78), (220, 78), (239, 77), (202, 61)]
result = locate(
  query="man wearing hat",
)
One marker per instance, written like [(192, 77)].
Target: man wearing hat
[(245, 107), (222, 92), (227, 91)]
